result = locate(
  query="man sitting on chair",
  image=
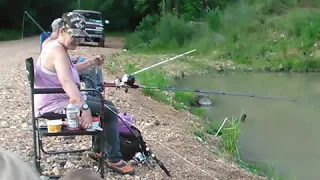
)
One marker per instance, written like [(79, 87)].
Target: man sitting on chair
[(81, 64)]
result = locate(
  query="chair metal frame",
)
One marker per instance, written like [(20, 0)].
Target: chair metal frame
[(39, 133)]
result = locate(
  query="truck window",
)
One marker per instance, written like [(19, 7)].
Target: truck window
[(92, 16)]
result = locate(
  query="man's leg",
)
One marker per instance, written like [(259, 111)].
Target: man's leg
[(112, 136), (91, 73)]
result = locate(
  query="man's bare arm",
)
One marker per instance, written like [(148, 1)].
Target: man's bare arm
[(80, 66)]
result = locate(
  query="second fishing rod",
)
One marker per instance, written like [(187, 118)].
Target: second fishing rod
[(128, 81)]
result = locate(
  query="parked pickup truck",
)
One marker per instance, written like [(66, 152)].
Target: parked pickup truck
[(94, 26)]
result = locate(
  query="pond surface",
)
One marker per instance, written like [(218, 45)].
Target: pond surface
[(284, 134)]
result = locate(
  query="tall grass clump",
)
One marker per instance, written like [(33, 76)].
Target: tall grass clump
[(229, 135)]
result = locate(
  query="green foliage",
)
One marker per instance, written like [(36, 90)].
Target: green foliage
[(287, 39), (191, 9), (127, 16), (9, 35), (272, 34), (187, 98), (168, 31)]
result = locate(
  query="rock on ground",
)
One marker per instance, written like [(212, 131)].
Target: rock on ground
[(171, 140)]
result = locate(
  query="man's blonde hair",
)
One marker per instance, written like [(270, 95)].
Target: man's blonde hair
[(14, 168)]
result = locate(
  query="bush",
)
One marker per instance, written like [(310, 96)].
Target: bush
[(168, 31), (269, 34)]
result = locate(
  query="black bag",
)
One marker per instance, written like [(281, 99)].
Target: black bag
[(130, 145)]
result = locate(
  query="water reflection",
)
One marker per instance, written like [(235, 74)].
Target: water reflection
[(284, 134)]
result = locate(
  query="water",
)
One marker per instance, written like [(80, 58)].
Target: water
[(282, 134)]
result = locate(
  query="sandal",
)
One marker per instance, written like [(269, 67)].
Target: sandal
[(120, 167)]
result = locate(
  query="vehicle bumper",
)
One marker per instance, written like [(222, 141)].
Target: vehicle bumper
[(95, 34)]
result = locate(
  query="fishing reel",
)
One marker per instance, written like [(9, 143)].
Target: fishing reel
[(143, 159), (126, 81), (149, 159), (151, 155)]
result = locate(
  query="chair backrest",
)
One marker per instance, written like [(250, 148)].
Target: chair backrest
[(43, 37), (30, 71)]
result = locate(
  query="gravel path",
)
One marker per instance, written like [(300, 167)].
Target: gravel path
[(172, 136)]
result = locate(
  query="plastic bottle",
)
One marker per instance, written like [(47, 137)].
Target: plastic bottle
[(72, 112)]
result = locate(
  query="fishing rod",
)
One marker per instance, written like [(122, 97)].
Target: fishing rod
[(173, 58), (146, 150), (34, 21), (130, 83), (96, 68), (129, 79), (41, 29), (126, 76)]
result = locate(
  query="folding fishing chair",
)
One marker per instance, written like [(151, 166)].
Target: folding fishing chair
[(43, 37), (39, 133)]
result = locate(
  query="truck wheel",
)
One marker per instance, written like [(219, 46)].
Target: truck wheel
[(101, 42)]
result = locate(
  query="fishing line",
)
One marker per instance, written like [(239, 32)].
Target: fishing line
[(226, 94), (197, 167), (35, 22), (128, 81)]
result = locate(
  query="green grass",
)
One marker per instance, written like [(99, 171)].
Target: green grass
[(230, 133), (267, 171), (272, 34), (229, 139), (151, 78), (6, 35)]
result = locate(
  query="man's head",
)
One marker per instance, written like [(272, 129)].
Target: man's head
[(55, 25), (72, 30), (13, 167)]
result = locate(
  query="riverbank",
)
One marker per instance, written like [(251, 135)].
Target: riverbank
[(164, 75), (256, 35), (171, 140)]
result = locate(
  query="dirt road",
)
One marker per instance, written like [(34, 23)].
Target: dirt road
[(173, 132)]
